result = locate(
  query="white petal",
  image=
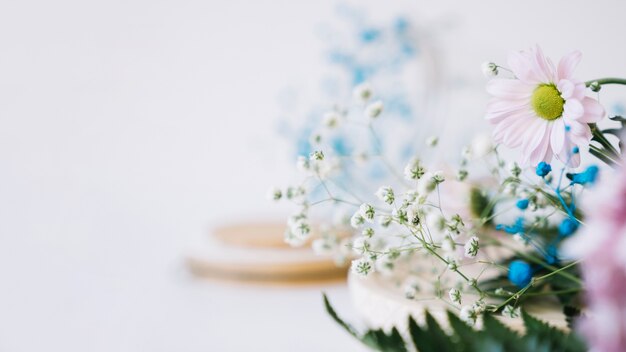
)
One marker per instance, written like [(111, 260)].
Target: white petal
[(514, 136), (532, 138), (566, 87), (540, 152), (573, 109), (520, 64), (568, 63), (557, 137), (544, 67), (594, 112), (509, 89)]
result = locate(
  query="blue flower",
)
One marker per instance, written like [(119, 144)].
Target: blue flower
[(520, 273), (586, 177), (576, 150), (543, 169), (522, 204), (552, 255), (516, 228), (370, 35), (568, 227)]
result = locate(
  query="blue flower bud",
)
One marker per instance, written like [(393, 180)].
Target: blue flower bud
[(576, 150), (552, 255), (586, 177), (520, 273), (568, 227), (543, 169), (522, 204)]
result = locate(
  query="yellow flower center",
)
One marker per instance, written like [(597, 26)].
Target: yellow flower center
[(547, 102)]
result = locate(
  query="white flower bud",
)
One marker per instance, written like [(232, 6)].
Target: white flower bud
[(471, 247), (274, 194), (468, 315), (367, 211), (303, 164), (414, 170), (322, 247), (357, 220), (489, 69), (374, 109), (317, 155), (385, 193), (455, 295), (331, 119), (411, 288), (361, 266), (511, 312), (432, 141), (363, 92)]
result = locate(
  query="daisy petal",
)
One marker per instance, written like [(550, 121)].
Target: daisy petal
[(521, 67), (568, 63), (508, 89), (573, 109), (557, 137), (566, 87), (594, 112), (539, 153), (514, 137), (543, 67)]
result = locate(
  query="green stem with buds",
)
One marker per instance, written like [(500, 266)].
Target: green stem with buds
[(607, 80)]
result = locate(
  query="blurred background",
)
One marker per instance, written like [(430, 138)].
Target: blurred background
[(130, 129)]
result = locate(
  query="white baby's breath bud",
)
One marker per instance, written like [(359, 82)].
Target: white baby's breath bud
[(385, 193), (400, 216), (413, 215), (514, 169), (367, 211), (360, 245), (362, 92), (479, 306), (436, 222), (482, 145), (414, 170), (471, 247), (374, 109), (301, 228), (461, 175), (489, 69), (432, 141), (317, 155), (448, 245), (511, 312), (411, 288), (452, 264), (357, 220), (438, 177), (510, 189), (293, 240), (466, 152), (385, 220), (468, 315), (322, 246), (303, 163), (331, 119), (384, 266), (274, 193), (455, 295), (362, 266), (368, 232)]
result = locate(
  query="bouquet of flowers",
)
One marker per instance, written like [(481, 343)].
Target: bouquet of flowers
[(534, 215)]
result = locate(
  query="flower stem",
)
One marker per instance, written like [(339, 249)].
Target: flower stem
[(607, 80)]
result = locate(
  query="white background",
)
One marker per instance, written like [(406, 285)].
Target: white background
[(129, 128)]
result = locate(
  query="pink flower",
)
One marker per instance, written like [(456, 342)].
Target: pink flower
[(544, 110), (602, 246)]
